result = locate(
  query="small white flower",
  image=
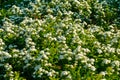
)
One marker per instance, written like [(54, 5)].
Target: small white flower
[(69, 77), (114, 40), (86, 50), (61, 38), (6, 55), (44, 56), (50, 74), (42, 52), (111, 50), (22, 52), (64, 73), (69, 58), (15, 55), (15, 50), (32, 48), (103, 73), (92, 68), (91, 61), (99, 51), (49, 10), (48, 35), (115, 63), (103, 79), (88, 65), (106, 61), (47, 53), (38, 1), (48, 64), (76, 2), (40, 75), (1, 48), (118, 51), (78, 49), (1, 42), (79, 56)]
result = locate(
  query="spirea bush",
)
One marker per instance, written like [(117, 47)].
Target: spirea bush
[(60, 40)]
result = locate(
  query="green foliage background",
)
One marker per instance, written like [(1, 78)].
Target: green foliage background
[(59, 39)]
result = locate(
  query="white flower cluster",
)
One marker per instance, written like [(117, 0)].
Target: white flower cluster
[(60, 39)]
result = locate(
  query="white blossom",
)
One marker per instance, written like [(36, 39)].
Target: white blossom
[(106, 61), (64, 73)]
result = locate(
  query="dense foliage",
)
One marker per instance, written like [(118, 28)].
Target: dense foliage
[(60, 40)]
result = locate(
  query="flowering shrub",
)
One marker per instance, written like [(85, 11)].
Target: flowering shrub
[(60, 39)]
